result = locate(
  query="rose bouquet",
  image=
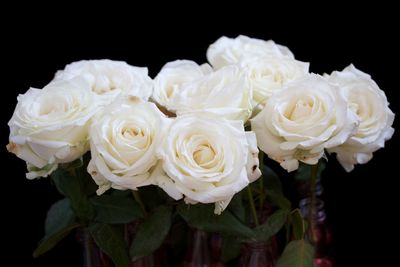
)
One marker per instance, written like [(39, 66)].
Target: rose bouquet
[(183, 148)]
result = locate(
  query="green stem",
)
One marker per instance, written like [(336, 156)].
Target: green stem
[(136, 195), (252, 205), (313, 199), (261, 182)]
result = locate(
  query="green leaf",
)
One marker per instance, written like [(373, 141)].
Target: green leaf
[(151, 232), (66, 184), (111, 240), (153, 196), (298, 253), (237, 208), (277, 198), (273, 186), (119, 193), (271, 179), (303, 173), (230, 248), (60, 221), (202, 216), (77, 169), (72, 184), (48, 242), (297, 225), (89, 187), (115, 209), (271, 227), (59, 216)]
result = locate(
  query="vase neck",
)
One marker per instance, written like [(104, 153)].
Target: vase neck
[(303, 188), (319, 215), (198, 253), (255, 254), (93, 256)]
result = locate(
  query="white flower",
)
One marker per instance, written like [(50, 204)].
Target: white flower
[(224, 93), (124, 139), (172, 77), (109, 79), (268, 74), (50, 126), (370, 105), (301, 120), (227, 51), (208, 158)]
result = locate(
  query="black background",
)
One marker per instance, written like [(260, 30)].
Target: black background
[(361, 205)]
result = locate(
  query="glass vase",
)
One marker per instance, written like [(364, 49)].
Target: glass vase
[(157, 259), (257, 254), (93, 256), (203, 250), (318, 233)]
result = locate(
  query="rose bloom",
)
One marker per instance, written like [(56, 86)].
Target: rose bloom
[(269, 74), (223, 93), (109, 79), (301, 120), (124, 140), (50, 126), (209, 159), (370, 106), (227, 51), (172, 77)]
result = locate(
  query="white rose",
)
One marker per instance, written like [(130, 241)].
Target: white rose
[(108, 78), (301, 120), (268, 74), (172, 77), (370, 105), (224, 93), (227, 51), (50, 126), (208, 158), (124, 139)]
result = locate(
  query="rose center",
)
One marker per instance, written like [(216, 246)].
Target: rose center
[(278, 78), (170, 90), (358, 102), (203, 154), (301, 110), (47, 110), (131, 132)]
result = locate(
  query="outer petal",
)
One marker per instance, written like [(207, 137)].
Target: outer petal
[(161, 179), (50, 126), (227, 51), (368, 104), (301, 120), (217, 174), (110, 79), (124, 141), (253, 163)]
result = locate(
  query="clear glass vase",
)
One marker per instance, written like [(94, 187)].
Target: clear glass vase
[(203, 250), (157, 259), (257, 254), (318, 233), (93, 256)]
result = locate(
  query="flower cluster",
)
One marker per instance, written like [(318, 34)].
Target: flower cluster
[(193, 132), (185, 132)]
